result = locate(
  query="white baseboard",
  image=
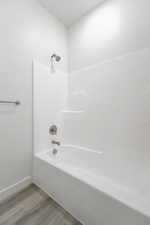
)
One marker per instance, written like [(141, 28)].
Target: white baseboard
[(13, 189)]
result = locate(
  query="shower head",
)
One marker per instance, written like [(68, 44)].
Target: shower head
[(56, 57)]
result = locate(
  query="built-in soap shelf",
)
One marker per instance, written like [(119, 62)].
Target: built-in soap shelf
[(72, 111)]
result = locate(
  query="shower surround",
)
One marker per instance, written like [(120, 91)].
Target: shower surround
[(103, 120)]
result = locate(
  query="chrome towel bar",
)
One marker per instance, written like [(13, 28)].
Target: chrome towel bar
[(10, 102)]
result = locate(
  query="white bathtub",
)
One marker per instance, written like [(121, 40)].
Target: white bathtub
[(72, 178)]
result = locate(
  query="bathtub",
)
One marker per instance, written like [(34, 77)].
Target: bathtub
[(72, 178)]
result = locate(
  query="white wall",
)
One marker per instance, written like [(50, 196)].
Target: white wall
[(27, 32), (112, 29), (109, 53)]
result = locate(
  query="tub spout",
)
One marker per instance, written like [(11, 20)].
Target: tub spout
[(56, 143)]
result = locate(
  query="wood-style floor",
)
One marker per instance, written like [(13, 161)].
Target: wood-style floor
[(33, 207)]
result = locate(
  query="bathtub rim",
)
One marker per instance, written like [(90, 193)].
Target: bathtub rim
[(139, 206)]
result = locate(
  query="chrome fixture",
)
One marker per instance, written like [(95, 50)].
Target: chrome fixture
[(54, 58), (55, 151), (56, 142), (53, 130), (57, 58), (10, 102)]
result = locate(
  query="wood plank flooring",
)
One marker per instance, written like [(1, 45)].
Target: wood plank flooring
[(33, 207)]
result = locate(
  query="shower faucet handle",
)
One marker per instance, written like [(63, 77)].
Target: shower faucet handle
[(53, 130)]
